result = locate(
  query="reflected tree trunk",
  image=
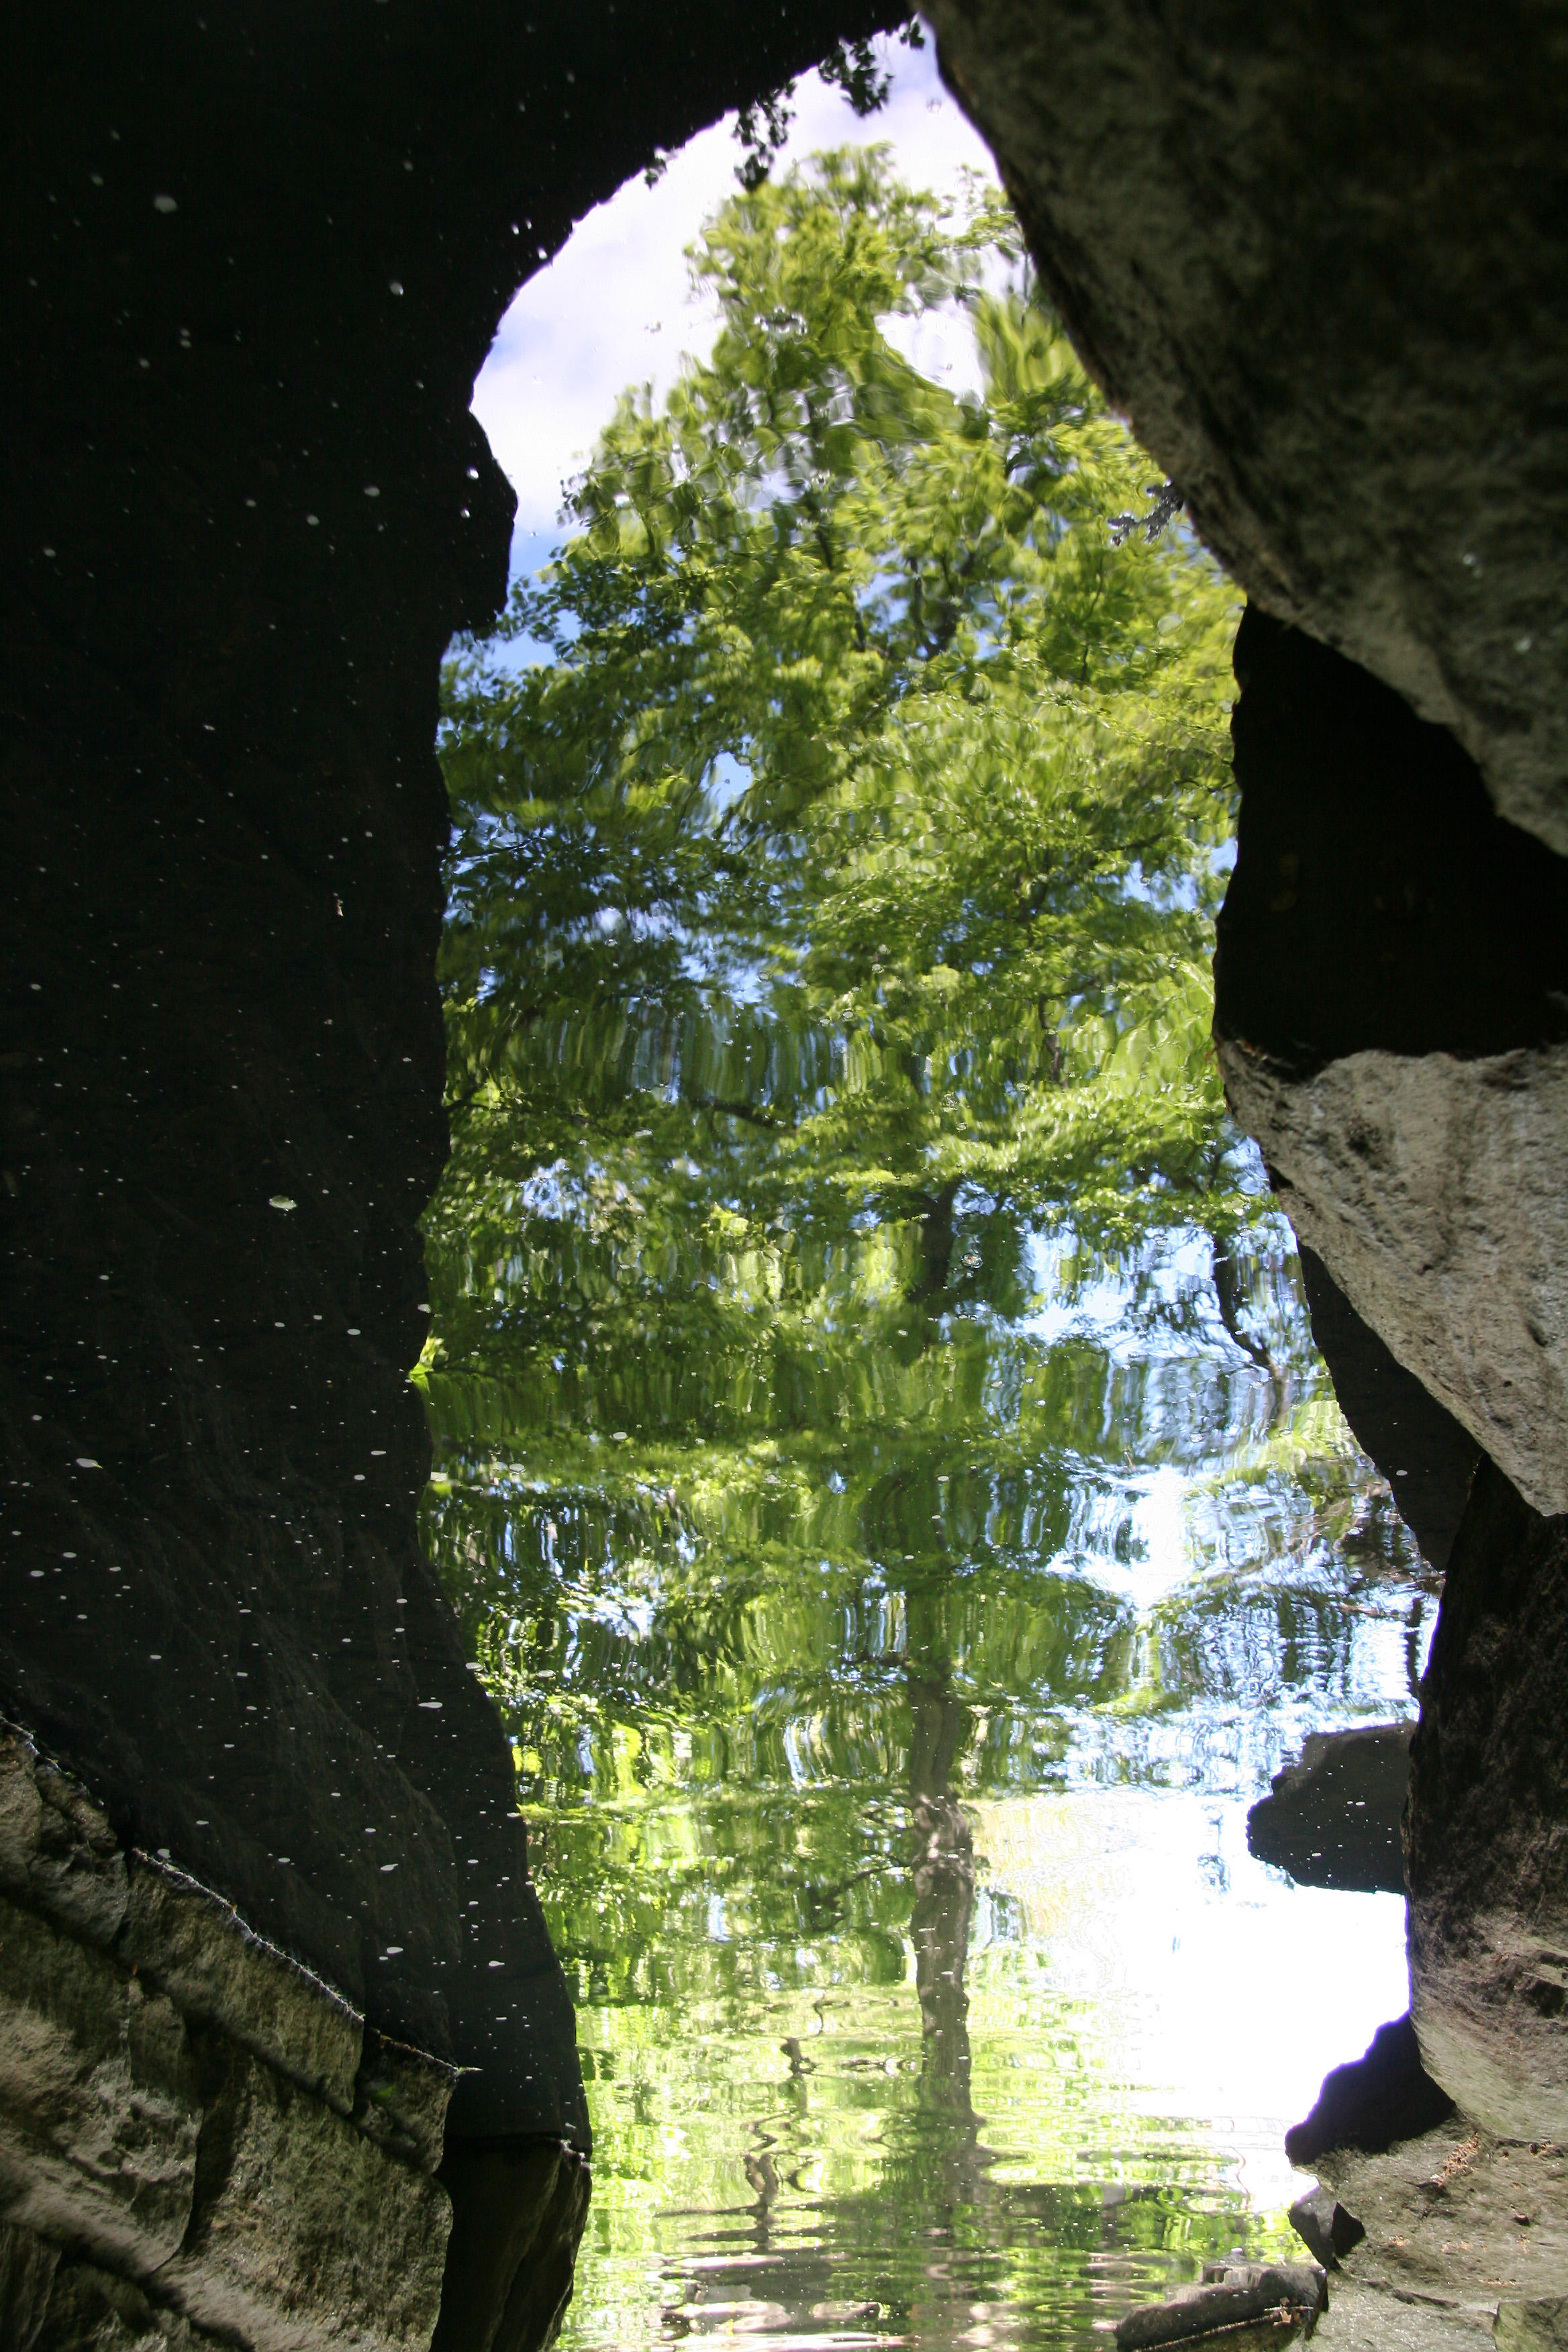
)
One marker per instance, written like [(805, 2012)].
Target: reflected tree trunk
[(944, 1879)]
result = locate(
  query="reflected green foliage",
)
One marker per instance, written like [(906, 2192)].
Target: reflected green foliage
[(868, 1382)]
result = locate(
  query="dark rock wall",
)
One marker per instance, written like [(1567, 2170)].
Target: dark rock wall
[(1487, 1829), (1321, 257), (253, 258)]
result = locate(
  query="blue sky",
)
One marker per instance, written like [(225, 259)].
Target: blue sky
[(615, 307)]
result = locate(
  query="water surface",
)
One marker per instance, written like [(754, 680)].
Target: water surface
[(888, 1754)]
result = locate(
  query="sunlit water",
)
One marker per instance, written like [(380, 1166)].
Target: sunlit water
[(888, 1782), (895, 1606)]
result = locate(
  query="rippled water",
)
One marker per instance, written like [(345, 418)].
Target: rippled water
[(883, 1469), (889, 1775)]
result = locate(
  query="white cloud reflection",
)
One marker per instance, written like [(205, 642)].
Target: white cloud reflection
[(615, 307)]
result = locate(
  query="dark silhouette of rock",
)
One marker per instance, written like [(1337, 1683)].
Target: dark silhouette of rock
[(254, 508), (1324, 2226), (1331, 1818), (518, 2215), (1375, 2101), (1391, 1006), (1427, 1459)]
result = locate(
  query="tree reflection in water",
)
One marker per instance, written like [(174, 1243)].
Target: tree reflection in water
[(872, 1394)]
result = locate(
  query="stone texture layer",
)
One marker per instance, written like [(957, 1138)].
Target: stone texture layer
[(1320, 258), (1487, 1831), (252, 260), (1434, 1188), (196, 2141)]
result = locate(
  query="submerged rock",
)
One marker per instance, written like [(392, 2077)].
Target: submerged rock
[(1262, 2304)]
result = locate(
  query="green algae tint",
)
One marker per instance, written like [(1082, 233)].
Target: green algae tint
[(882, 1467), (888, 1788)]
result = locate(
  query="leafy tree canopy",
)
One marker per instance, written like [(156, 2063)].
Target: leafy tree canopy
[(869, 791)]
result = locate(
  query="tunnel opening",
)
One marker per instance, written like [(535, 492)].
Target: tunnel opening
[(264, 2070), (882, 1467)]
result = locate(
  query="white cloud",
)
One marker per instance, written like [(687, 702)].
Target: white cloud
[(615, 307)]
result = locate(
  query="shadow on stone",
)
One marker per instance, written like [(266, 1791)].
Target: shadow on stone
[(518, 2209), (1376, 2100), (1426, 1456), (1325, 2227)]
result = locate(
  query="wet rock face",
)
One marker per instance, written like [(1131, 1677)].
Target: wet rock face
[(1486, 1832), (1391, 1004), (253, 261), (198, 2141), (1320, 263)]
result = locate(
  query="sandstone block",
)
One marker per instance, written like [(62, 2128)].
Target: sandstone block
[(1532, 2327), (401, 2097), (99, 2108), (56, 1851), (198, 1948), (304, 2232), (1431, 1186), (91, 2310)]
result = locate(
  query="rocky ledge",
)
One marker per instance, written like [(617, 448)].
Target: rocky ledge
[(201, 2141)]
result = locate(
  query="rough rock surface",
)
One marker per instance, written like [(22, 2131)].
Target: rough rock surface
[(1539, 2325), (252, 262), (1487, 1834), (1433, 1187), (1320, 261), (1325, 2227), (198, 2138), (1457, 2223), (1391, 1004), (1254, 2307)]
